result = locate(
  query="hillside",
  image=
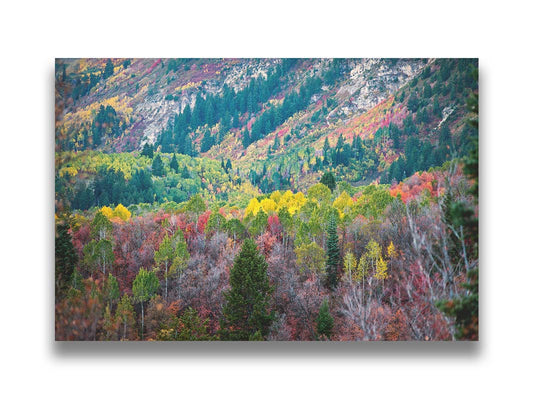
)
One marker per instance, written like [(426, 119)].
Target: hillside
[(278, 121), (266, 199)]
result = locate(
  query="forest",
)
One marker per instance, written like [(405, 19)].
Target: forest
[(266, 200)]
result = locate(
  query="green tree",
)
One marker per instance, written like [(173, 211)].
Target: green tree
[(324, 321), (215, 223), (109, 69), (158, 169), (98, 255), (148, 150), (174, 164), (196, 205), (173, 256), (66, 259), (259, 223), (111, 290), (333, 252), (461, 219), (235, 228), (101, 227), (246, 311), (329, 180), (144, 288), (188, 327), (125, 317)]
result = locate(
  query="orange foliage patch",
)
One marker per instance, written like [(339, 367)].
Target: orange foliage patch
[(416, 184)]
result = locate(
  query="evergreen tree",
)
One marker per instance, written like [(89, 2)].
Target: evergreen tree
[(329, 180), (109, 69), (207, 142), (246, 313), (333, 253), (148, 150), (246, 140), (465, 308), (157, 166), (324, 321), (174, 164), (325, 149), (66, 258)]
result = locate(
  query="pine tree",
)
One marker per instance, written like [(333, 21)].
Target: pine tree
[(174, 164), (109, 69), (325, 149), (66, 258), (329, 180), (246, 313), (157, 166), (465, 308), (333, 253), (246, 140), (148, 150), (324, 321)]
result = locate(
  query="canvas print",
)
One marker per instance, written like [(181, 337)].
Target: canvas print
[(266, 199)]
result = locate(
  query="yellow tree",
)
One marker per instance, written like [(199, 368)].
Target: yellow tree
[(311, 256), (350, 265), (122, 212), (371, 266)]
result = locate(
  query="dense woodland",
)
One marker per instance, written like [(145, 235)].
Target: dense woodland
[(258, 212)]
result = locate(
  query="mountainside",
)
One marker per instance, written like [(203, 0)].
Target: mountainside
[(279, 199), (281, 122)]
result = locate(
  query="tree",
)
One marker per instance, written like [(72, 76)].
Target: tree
[(215, 223), (371, 264), (173, 255), (196, 205), (324, 321), (174, 163), (144, 288), (246, 312), (158, 168), (463, 224), (148, 150), (188, 327), (66, 259), (333, 252), (111, 290), (329, 180), (101, 227), (122, 212), (311, 256), (98, 254), (125, 317), (109, 69), (235, 228), (350, 264), (319, 192)]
